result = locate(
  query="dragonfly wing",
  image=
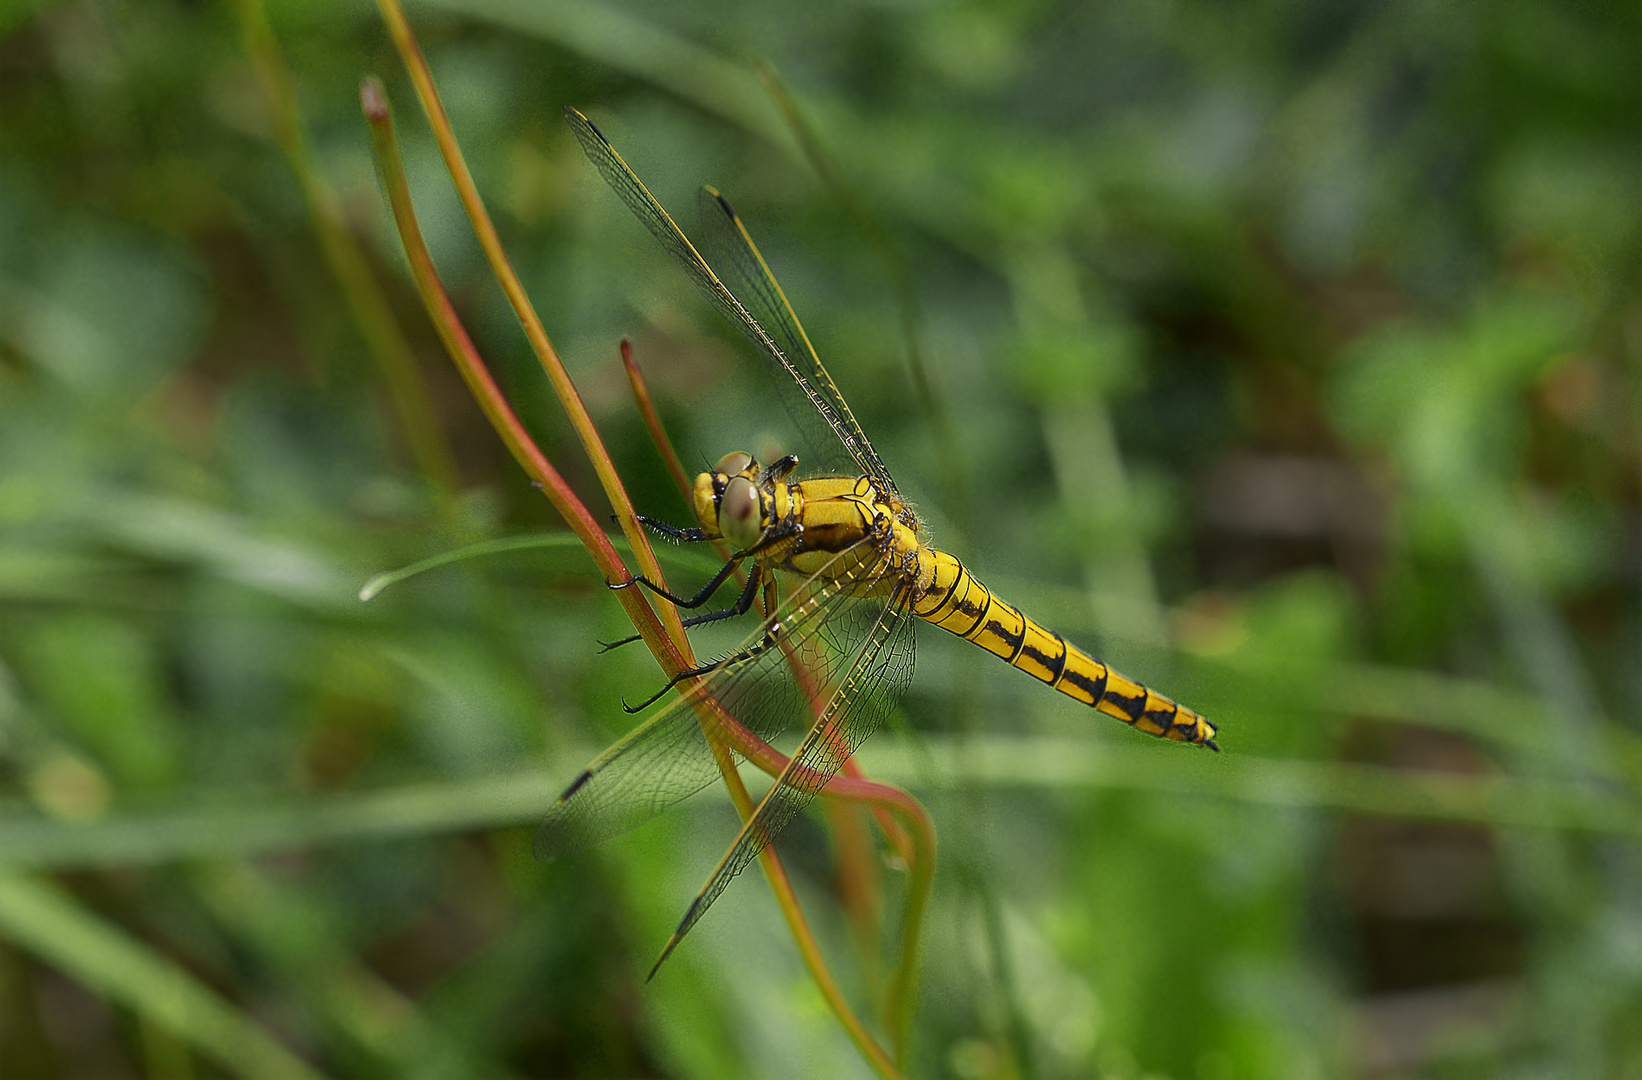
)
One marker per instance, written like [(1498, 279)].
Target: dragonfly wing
[(657, 766), (631, 190), (811, 397), (668, 759), (834, 438), (878, 672)]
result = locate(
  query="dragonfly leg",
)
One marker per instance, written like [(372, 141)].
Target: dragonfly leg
[(742, 605), (695, 601), (678, 534), (740, 656), (772, 536)]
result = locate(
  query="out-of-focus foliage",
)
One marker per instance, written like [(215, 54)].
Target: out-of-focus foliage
[(1285, 355)]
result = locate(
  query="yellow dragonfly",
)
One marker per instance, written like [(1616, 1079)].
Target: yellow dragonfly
[(866, 575)]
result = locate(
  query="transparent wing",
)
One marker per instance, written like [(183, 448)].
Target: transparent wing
[(731, 250), (667, 759), (815, 394), (875, 677)]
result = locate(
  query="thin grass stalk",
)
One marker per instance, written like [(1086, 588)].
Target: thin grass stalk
[(471, 366), (44, 919), (860, 886), (490, 242), (384, 341), (658, 436), (808, 948), (716, 722)]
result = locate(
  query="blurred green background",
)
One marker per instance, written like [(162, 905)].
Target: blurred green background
[(1284, 355)]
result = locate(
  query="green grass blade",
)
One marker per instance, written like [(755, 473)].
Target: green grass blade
[(46, 921)]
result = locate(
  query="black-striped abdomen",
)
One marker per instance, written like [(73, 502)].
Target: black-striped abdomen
[(957, 602)]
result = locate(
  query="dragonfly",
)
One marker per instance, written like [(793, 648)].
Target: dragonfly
[(865, 571)]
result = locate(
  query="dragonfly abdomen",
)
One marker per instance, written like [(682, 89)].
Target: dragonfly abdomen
[(956, 601)]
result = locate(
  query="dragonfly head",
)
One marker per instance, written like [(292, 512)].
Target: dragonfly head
[(730, 504)]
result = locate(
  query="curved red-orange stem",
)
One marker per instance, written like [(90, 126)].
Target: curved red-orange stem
[(661, 631)]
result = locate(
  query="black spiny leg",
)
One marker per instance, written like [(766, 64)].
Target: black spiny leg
[(679, 535), (695, 601), (744, 602), (771, 537), (742, 605), (738, 657), (676, 533)]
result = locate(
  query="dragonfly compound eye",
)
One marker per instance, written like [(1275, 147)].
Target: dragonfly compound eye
[(734, 464), (739, 517)]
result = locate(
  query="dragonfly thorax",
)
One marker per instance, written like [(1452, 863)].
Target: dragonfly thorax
[(835, 526)]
